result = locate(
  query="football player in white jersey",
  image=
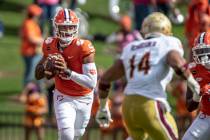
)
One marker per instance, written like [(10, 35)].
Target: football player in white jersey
[(148, 66)]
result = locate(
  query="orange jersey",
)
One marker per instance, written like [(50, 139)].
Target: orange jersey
[(32, 29), (202, 76), (73, 55)]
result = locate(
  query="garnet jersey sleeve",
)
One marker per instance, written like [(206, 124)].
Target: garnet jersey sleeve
[(87, 48)]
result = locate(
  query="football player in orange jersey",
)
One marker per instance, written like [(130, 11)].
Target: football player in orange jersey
[(198, 11), (76, 75), (200, 127)]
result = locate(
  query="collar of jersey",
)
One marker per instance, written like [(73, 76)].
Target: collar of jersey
[(153, 35)]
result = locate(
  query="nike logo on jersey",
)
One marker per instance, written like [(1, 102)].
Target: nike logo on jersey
[(92, 71), (70, 57), (60, 97)]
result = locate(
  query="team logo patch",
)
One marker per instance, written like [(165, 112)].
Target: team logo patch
[(90, 46), (198, 79), (70, 57), (60, 97), (92, 71), (202, 116)]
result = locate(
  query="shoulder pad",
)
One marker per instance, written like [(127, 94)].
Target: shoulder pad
[(90, 46), (80, 42), (173, 39)]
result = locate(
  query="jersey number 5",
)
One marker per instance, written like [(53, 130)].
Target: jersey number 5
[(143, 64)]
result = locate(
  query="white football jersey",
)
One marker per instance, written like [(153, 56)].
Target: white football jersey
[(147, 71)]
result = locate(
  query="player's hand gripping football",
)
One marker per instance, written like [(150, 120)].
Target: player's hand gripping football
[(103, 117), (60, 64), (53, 65)]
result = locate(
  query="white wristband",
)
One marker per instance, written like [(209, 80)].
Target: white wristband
[(195, 88), (196, 97)]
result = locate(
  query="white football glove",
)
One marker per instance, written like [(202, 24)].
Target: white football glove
[(195, 88), (103, 115)]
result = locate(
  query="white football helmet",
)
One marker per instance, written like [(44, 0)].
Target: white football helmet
[(156, 23)]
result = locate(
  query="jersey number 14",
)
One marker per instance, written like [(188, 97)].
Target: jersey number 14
[(143, 65)]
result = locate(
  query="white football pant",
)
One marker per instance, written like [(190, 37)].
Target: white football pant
[(199, 129), (72, 114)]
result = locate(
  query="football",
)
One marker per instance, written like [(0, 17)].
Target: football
[(50, 70)]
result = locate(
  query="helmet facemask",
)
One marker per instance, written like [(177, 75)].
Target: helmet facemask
[(201, 54), (66, 33)]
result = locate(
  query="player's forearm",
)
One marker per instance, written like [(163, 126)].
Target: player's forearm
[(192, 84), (113, 73), (103, 91), (190, 101), (178, 63), (39, 72), (85, 80), (103, 88)]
